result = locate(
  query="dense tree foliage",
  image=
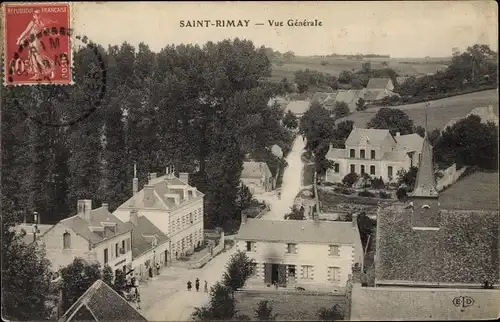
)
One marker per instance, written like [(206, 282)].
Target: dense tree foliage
[(311, 79), (77, 278), (239, 268), (332, 314), (407, 177), (264, 311), (222, 305), (290, 120), (468, 142), (195, 107), (296, 213), (393, 119)]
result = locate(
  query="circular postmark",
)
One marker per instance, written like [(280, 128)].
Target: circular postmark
[(52, 102)]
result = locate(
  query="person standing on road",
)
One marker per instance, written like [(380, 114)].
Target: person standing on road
[(189, 285), (197, 285), (206, 287)]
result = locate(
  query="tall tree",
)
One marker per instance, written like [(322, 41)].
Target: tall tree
[(239, 268), (77, 278), (394, 120)]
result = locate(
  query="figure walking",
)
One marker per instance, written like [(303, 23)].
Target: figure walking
[(157, 269), (189, 285), (206, 287), (197, 285)]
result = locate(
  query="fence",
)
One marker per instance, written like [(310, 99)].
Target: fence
[(214, 252)]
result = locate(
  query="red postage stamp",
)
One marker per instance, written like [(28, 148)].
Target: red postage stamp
[(37, 44)]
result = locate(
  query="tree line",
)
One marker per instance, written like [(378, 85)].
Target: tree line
[(197, 108)]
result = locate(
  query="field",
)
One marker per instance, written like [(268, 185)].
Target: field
[(335, 65), (440, 112)]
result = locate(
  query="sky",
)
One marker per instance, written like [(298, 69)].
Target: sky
[(399, 29)]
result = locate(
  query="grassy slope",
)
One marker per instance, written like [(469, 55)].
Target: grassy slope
[(404, 67), (440, 112)]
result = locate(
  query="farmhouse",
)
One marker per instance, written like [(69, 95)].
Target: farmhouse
[(350, 97), (313, 254), (327, 100), (257, 177), (374, 152), (378, 88), (173, 206)]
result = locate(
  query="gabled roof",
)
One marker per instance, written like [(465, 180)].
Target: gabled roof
[(161, 187), (97, 216), (348, 97), (409, 143), (372, 95), (396, 156), (101, 303), (378, 83), (464, 250), (298, 231), (142, 244), (253, 169), (373, 136), (420, 304), (334, 153), (425, 184), (298, 107)]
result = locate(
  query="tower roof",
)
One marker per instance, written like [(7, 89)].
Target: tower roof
[(425, 185)]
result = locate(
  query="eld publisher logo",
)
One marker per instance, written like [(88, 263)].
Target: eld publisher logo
[(463, 301)]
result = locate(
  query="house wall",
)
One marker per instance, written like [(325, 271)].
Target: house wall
[(316, 255), (53, 242), (255, 185), (115, 261), (154, 255), (185, 237)]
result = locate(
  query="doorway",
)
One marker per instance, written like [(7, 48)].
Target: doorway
[(275, 273), (166, 257)]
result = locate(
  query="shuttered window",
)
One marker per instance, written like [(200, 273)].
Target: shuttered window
[(307, 272)]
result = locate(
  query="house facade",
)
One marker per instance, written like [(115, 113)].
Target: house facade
[(257, 177), (93, 234), (376, 153), (313, 254), (173, 206)]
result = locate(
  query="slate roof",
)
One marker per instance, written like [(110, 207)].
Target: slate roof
[(409, 142), (349, 97), (141, 244), (162, 186), (334, 153), (464, 250), (375, 136), (82, 227), (371, 95), (252, 169), (298, 107), (378, 83), (101, 303), (425, 184), (298, 231), (420, 304), (395, 156)]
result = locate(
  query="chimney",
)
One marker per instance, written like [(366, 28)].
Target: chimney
[(134, 217), (105, 205), (184, 177), (135, 182), (148, 196), (354, 220), (84, 207), (243, 218), (398, 134)]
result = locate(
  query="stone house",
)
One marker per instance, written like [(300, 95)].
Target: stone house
[(313, 254), (257, 177), (374, 152)]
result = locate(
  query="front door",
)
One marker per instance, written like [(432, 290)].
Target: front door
[(282, 275), (268, 273), (275, 273), (166, 257)]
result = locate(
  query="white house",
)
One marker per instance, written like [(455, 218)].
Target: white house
[(257, 177), (92, 234), (376, 153), (313, 254), (173, 206)]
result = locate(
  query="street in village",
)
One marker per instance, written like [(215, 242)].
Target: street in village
[(166, 298)]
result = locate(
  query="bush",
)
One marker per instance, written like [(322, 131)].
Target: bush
[(384, 195), (350, 179), (346, 191), (333, 314), (366, 193), (401, 194), (378, 183)]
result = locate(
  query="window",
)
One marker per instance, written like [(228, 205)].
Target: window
[(307, 272), (334, 274), (389, 171), (372, 154), (291, 271), (191, 217), (362, 169), (117, 251), (178, 223), (66, 240), (291, 248), (372, 170), (183, 220), (362, 154), (352, 153), (123, 244), (336, 167), (250, 246), (353, 168), (334, 250), (105, 256)]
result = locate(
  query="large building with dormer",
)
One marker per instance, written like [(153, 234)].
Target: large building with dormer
[(374, 152), (172, 205)]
